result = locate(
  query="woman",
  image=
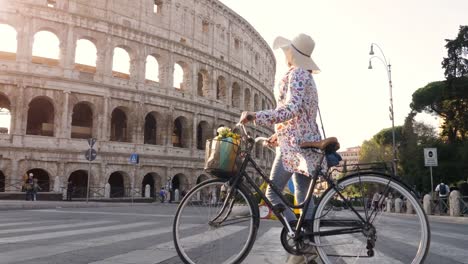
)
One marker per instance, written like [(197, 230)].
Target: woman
[(294, 120)]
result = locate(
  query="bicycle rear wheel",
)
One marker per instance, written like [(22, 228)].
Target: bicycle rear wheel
[(210, 229), (396, 230)]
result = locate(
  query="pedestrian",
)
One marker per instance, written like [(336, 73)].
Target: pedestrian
[(28, 186), (443, 192), (375, 201), (35, 189), (162, 195), (295, 122), (70, 190)]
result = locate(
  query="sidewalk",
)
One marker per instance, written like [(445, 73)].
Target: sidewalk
[(19, 204)]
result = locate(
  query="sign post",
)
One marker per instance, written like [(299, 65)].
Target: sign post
[(134, 159), (90, 155), (430, 160)]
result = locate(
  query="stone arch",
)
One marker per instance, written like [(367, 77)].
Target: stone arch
[(181, 75), (5, 114), (204, 132), (41, 114), (181, 136), (203, 83), (202, 177), (256, 103), (2, 181), (43, 178), (152, 68), (119, 125), (154, 129), (179, 182), (236, 95), (121, 62), (46, 48), (221, 90), (86, 55), (79, 179), (9, 43), (119, 182), (247, 99), (82, 120), (154, 180)]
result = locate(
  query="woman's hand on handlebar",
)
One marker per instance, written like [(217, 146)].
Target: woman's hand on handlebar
[(272, 141), (247, 117)]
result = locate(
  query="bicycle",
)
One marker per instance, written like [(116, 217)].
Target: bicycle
[(343, 230)]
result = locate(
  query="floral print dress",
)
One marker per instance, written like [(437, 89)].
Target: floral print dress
[(295, 120)]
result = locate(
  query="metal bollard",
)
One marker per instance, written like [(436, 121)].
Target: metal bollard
[(409, 207), (427, 204), (147, 191), (454, 203), (107, 190)]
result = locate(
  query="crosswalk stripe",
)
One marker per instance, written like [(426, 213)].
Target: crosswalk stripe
[(268, 248), (71, 232), (164, 251), (25, 223), (37, 227), (51, 250)]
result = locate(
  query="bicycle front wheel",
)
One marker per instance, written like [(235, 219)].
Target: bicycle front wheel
[(376, 219), (215, 224)]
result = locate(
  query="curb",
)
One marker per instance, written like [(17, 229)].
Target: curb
[(59, 205)]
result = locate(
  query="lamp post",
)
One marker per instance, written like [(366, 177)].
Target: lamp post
[(388, 67)]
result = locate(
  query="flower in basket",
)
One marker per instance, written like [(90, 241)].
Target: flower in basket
[(225, 132)]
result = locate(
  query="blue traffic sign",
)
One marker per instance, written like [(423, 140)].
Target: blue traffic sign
[(134, 158), (91, 154)]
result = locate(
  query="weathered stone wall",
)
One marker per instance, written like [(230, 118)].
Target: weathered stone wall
[(203, 36)]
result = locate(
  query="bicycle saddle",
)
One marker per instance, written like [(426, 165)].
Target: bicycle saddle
[(330, 144)]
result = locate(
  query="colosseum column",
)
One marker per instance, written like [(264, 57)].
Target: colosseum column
[(25, 40), (213, 85), (194, 131), (105, 120), (14, 177), (64, 128), (170, 126), (67, 52)]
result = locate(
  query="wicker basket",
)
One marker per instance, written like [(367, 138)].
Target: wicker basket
[(222, 157)]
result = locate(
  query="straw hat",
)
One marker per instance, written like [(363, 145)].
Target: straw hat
[(298, 51)]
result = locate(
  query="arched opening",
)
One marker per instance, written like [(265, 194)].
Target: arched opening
[(263, 104), (203, 133), (203, 84), (180, 137), (46, 48), (221, 89), (85, 56), (119, 126), (42, 178), (150, 135), (179, 182), (202, 178), (82, 121), (79, 179), (5, 115), (40, 118), (247, 100), (121, 63), (116, 181), (157, 6), (2, 181), (256, 103), (235, 95), (148, 180), (178, 76), (152, 69), (8, 45)]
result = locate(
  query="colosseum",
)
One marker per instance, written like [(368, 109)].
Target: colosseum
[(186, 67)]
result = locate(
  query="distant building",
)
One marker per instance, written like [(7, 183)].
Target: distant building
[(350, 155)]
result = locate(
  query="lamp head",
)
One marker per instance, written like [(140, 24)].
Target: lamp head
[(370, 65), (371, 52)]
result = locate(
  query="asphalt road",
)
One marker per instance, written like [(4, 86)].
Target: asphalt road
[(142, 234)]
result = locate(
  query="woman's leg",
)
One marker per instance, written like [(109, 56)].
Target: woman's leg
[(280, 177), (301, 186)]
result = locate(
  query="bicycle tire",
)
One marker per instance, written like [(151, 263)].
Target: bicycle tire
[(380, 245), (192, 230)]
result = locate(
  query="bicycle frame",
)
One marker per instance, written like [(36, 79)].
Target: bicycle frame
[(352, 226)]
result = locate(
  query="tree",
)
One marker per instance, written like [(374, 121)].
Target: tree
[(456, 65)]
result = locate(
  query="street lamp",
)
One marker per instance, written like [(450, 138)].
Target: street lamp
[(389, 75)]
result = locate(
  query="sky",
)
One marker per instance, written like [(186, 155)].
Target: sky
[(354, 100)]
